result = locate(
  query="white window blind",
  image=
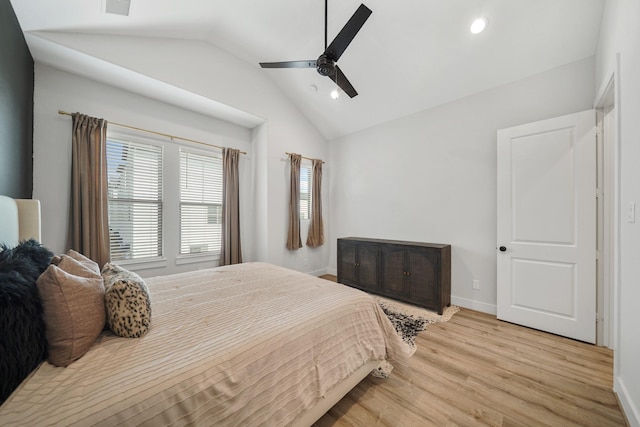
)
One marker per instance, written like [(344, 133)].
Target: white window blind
[(200, 203), (134, 173), (305, 192)]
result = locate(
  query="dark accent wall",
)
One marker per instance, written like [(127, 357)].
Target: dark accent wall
[(16, 108)]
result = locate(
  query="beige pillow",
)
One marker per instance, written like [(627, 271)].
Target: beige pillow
[(72, 295), (84, 261), (92, 265)]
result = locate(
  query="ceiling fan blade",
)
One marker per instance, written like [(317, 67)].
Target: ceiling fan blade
[(348, 32), (343, 82), (290, 64)]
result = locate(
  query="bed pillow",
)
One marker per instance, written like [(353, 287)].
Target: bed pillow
[(29, 258), (127, 302), (22, 332), (109, 273), (72, 295), (90, 264)]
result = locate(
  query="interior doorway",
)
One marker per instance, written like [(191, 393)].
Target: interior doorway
[(606, 131)]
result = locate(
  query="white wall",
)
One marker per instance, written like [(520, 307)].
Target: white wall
[(620, 34), (56, 89), (431, 176)]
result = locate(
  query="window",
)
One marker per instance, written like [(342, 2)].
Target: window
[(200, 203), (305, 192), (165, 201), (134, 174)]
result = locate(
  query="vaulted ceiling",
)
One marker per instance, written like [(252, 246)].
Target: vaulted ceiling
[(409, 56)]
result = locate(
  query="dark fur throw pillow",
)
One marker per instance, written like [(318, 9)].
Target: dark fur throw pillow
[(22, 341)]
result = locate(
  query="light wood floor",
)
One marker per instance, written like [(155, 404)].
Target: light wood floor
[(477, 370)]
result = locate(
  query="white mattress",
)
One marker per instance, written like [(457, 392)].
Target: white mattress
[(244, 345)]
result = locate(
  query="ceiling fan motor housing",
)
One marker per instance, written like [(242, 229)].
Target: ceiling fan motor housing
[(325, 66)]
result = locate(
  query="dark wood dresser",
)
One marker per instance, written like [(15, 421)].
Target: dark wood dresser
[(414, 272)]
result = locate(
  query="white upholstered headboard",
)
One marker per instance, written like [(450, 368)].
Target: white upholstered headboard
[(19, 220)]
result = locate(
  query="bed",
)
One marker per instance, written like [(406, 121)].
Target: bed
[(249, 344)]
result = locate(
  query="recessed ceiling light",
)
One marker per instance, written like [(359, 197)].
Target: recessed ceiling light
[(335, 94), (479, 25)]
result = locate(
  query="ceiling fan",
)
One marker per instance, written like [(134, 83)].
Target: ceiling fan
[(326, 63)]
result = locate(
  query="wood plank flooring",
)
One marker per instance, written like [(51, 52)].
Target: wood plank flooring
[(476, 370)]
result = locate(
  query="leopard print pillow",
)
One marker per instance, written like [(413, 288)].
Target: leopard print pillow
[(127, 302)]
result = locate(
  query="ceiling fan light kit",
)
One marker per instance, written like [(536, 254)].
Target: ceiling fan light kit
[(326, 64)]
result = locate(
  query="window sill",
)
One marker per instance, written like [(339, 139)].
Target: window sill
[(143, 265), (192, 259)]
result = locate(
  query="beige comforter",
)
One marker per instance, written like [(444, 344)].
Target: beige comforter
[(252, 344)]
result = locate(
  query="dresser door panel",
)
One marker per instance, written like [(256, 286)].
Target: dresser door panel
[(423, 277), (347, 264), (368, 267), (393, 267)]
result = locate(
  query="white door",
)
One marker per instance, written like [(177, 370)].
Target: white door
[(547, 225)]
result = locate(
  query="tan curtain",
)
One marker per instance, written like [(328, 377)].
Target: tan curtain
[(315, 237), (230, 252), (293, 238), (89, 215)]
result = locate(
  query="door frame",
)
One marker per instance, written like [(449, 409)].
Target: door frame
[(607, 105)]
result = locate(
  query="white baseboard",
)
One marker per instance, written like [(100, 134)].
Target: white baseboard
[(474, 305), (333, 271), (629, 407)]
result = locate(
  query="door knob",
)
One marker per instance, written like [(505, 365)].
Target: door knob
[(503, 249)]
